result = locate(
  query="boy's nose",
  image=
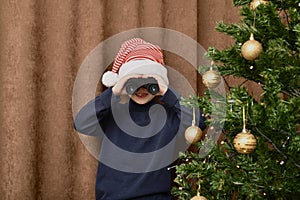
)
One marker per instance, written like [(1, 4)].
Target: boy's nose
[(141, 89)]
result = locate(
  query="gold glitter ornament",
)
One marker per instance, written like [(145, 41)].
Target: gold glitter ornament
[(255, 3), (211, 78), (251, 49), (198, 198), (193, 133), (244, 142)]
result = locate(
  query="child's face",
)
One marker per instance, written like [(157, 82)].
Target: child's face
[(142, 96)]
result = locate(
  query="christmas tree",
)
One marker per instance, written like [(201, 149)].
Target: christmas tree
[(257, 152)]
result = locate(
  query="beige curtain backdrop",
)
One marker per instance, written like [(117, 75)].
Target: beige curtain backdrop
[(42, 45)]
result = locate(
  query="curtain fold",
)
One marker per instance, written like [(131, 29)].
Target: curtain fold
[(18, 105), (42, 46)]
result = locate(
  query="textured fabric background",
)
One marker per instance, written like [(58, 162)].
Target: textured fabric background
[(42, 44)]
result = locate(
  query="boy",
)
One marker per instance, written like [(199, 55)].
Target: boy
[(140, 117)]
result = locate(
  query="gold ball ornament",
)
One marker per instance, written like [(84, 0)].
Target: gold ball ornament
[(193, 134), (251, 49), (255, 3), (198, 197), (244, 142), (211, 78)]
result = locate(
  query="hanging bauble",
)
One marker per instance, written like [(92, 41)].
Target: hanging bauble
[(255, 3), (251, 49), (198, 198), (193, 134), (244, 142), (211, 78)]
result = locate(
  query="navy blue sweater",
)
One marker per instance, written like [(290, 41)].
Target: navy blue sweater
[(139, 143)]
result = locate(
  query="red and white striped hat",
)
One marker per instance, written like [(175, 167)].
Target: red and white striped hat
[(136, 57)]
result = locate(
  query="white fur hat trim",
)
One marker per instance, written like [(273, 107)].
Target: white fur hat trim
[(144, 66)]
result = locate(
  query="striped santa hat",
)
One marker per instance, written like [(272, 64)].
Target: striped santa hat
[(136, 57)]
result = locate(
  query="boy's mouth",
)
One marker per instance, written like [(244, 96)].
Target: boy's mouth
[(141, 94)]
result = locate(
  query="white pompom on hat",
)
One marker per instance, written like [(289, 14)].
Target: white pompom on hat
[(136, 57)]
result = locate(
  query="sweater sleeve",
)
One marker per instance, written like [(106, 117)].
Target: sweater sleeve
[(88, 119), (171, 100)]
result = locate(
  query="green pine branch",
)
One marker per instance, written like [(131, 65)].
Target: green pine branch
[(272, 171)]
